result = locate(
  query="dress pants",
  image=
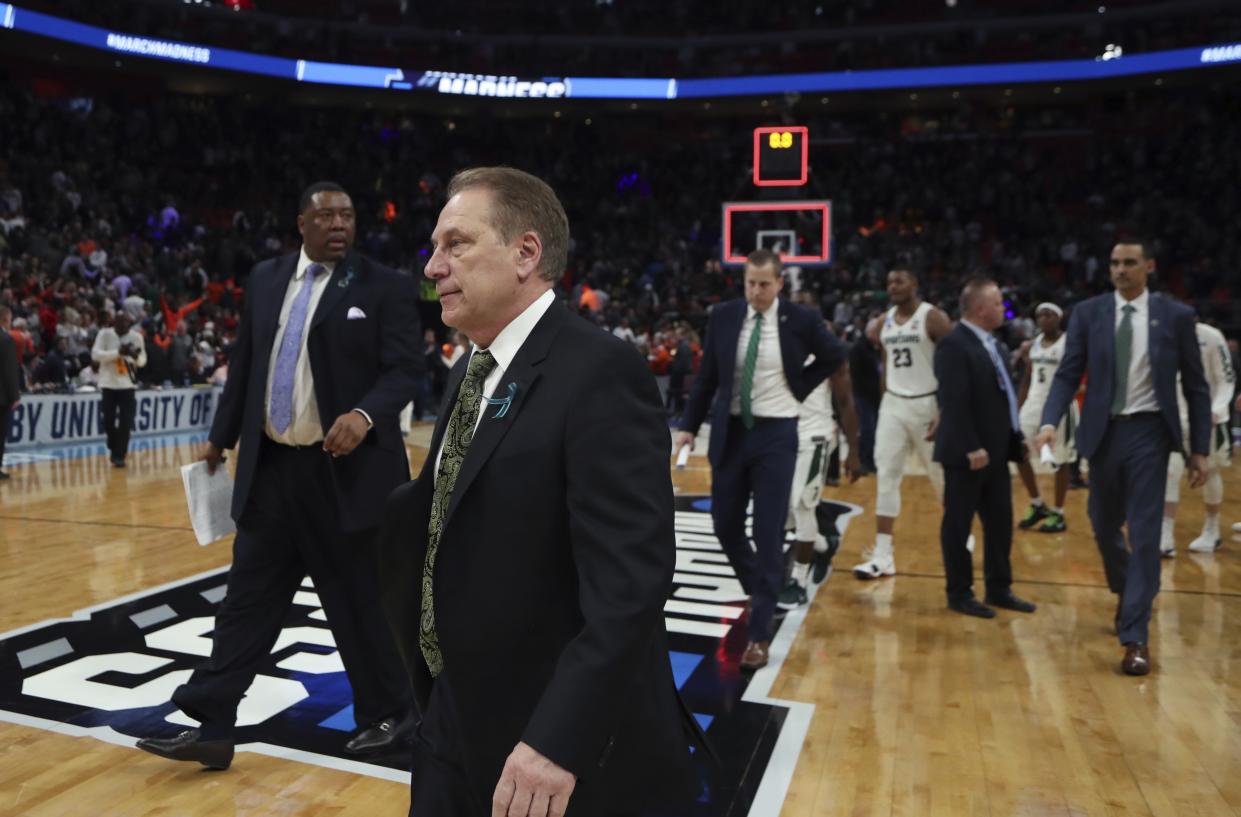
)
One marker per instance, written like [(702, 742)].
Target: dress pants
[(758, 462), (119, 406), (988, 493), (5, 413), (1128, 475), (290, 528)]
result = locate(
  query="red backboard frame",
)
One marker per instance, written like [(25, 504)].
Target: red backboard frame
[(759, 133), (824, 206)]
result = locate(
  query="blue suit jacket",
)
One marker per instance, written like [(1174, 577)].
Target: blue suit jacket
[(1090, 349), (802, 334)]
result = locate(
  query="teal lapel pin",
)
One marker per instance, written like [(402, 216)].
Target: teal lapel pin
[(503, 402)]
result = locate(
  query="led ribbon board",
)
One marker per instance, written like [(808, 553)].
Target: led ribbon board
[(402, 79)]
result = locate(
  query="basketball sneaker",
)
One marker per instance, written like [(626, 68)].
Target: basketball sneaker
[(792, 596), (1054, 523), (1205, 543), (1034, 515), (880, 563)]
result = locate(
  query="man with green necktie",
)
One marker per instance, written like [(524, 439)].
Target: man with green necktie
[(753, 380), (1132, 344)]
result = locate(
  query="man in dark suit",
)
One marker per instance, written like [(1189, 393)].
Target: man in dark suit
[(753, 378), (10, 391), (526, 569), (978, 435), (326, 357), (1131, 344)]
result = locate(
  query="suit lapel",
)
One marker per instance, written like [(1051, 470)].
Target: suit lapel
[(342, 278), (285, 268), (1107, 337), (1156, 316), (524, 374), (441, 423)]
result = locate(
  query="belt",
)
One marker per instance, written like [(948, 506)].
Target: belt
[(761, 420), (315, 446), (1137, 415), (911, 396)]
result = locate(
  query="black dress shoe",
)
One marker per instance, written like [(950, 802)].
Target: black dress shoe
[(971, 607), (1010, 602), (4, 475), (1137, 660), (379, 735), (214, 754)]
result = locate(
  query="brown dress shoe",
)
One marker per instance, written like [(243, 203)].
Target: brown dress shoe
[(1137, 659), (755, 656)]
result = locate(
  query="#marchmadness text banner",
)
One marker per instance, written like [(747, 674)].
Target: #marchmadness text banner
[(63, 419)]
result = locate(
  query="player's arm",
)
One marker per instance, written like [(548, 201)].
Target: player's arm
[(842, 389), (938, 324), (1027, 374), (1220, 378)]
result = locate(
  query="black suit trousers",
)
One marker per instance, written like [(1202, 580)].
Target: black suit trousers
[(291, 528), (5, 412), (119, 407), (988, 493)]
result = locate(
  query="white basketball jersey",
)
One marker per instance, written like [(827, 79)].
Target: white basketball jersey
[(909, 363), (1217, 368), (1044, 360)]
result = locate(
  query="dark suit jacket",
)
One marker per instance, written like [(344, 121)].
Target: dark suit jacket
[(554, 563), (973, 410), (1091, 349), (802, 334), (372, 364), (10, 381)]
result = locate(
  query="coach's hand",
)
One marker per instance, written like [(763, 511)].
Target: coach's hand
[(978, 459), (682, 439), (932, 427), (1046, 436), (531, 786), (213, 456), (345, 434), (1197, 470)]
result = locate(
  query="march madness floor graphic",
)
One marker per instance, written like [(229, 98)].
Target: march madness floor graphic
[(109, 671)]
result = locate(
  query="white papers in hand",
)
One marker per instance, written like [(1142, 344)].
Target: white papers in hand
[(210, 498), (682, 457), (1045, 455)]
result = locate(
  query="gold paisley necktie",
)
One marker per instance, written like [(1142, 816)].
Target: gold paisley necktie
[(457, 439)]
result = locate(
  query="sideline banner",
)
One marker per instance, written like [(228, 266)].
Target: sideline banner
[(60, 419)]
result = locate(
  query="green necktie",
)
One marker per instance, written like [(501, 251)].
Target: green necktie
[(456, 443), (1124, 351), (747, 372)]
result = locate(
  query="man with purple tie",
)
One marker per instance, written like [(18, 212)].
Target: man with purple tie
[(326, 356)]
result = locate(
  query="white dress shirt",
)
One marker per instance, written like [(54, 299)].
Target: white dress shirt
[(107, 351), (305, 428), (1141, 384), (770, 395), (504, 349)]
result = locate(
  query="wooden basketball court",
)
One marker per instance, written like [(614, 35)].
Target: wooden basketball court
[(917, 711)]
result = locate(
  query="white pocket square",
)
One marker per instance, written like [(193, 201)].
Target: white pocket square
[(355, 314)]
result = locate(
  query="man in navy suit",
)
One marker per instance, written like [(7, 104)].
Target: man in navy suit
[(1132, 344), (752, 380), (978, 434), (327, 355)]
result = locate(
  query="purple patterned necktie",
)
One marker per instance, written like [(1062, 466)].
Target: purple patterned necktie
[(290, 348)]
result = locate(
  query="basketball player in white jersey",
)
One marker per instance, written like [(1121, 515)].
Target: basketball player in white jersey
[(1217, 366), (1042, 359), (908, 412), (816, 440)]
